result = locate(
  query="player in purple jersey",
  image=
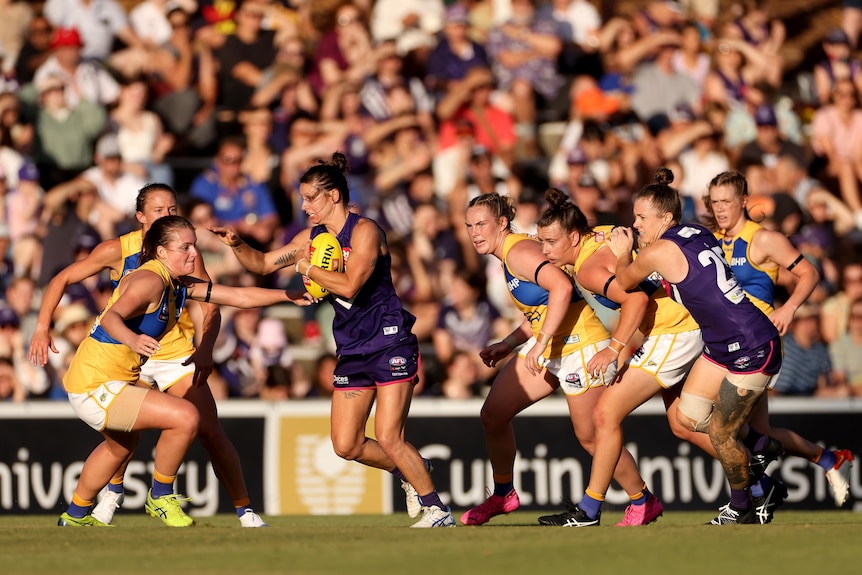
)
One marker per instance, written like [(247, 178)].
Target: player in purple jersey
[(378, 355), (742, 351)]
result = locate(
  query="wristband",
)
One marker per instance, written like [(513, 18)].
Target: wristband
[(618, 351), (511, 341), (622, 343), (209, 292), (296, 267), (543, 338)]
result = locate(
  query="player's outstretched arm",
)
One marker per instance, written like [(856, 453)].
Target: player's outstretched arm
[(106, 255)]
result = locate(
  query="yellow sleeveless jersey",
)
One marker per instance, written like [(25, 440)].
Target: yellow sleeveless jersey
[(179, 344), (101, 358), (579, 328), (757, 282), (663, 315)]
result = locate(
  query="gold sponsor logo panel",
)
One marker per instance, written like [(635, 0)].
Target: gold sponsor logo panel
[(315, 481)]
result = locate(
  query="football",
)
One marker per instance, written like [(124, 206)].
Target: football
[(325, 253)]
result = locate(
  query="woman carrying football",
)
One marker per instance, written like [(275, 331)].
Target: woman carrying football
[(378, 355)]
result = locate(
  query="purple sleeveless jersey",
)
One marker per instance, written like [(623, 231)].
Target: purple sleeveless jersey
[(732, 327), (374, 318)]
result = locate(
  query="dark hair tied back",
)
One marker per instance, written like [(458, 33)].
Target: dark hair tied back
[(663, 176)]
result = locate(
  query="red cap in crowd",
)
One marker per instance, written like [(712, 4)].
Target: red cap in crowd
[(66, 38)]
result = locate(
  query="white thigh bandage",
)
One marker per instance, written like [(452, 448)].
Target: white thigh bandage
[(697, 409)]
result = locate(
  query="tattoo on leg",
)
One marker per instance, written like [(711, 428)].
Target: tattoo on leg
[(732, 410), (351, 394)]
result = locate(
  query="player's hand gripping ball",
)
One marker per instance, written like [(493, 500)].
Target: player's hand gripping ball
[(326, 254)]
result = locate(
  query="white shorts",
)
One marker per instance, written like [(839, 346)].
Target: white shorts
[(163, 373), (668, 357), (113, 405), (571, 370)]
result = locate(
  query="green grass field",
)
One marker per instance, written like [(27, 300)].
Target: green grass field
[(819, 543)]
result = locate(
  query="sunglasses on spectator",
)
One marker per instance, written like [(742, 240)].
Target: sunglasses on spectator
[(230, 159), (346, 20)]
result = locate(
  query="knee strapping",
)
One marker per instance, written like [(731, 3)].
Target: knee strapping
[(697, 409)]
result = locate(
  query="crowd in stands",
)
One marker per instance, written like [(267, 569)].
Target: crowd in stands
[(434, 102)]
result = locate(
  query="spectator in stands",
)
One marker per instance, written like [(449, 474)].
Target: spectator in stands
[(455, 52), (183, 86), (766, 34), (690, 58), (342, 54), (592, 201), (64, 136), (523, 53), (237, 201), (578, 25), (222, 265), (467, 114), (232, 353), (414, 24), (149, 19), (246, 76), (836, 310), (36, 49), (769, 144), (846, 352), (12, 347), (68, 209), (116, 187), (87, 79), (836, 138), (10, 386), (100, 22), (279, 376), (377, 90), (806, 367), (24, 210), (462, 379), (142, 141), (72, 324), (467, 323), (737, 66), (13, 28), (838, 65), (659, 88)]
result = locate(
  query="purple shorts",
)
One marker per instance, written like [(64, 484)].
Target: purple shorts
[(396, 364), (765, 359)]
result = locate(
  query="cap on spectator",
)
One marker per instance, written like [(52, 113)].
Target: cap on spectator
[(28, 173), (593, 102), (50, 82), (681, 113), (576, 157), (806, 310), (88, 240), (108, 146), (66, 38), (587, 181), (8, 317), (270, 333), (70, 315), (764, 115), (457, 14), (615, 82), (480, 151), (837, 36)]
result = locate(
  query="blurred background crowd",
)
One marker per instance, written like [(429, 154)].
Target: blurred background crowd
[(433, 102)]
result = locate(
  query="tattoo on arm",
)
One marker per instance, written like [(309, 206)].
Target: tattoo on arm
[(286, 259)]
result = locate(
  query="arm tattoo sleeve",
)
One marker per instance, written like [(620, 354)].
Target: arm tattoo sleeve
[(286, 259)]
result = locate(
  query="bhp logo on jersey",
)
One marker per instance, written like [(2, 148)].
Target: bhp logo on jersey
[(737, 262)]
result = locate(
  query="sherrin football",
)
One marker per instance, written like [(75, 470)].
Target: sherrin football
[(325, 253)]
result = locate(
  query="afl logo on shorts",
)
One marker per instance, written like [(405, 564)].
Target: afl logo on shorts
[(574, 380), (742, 362), (397, 361)]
